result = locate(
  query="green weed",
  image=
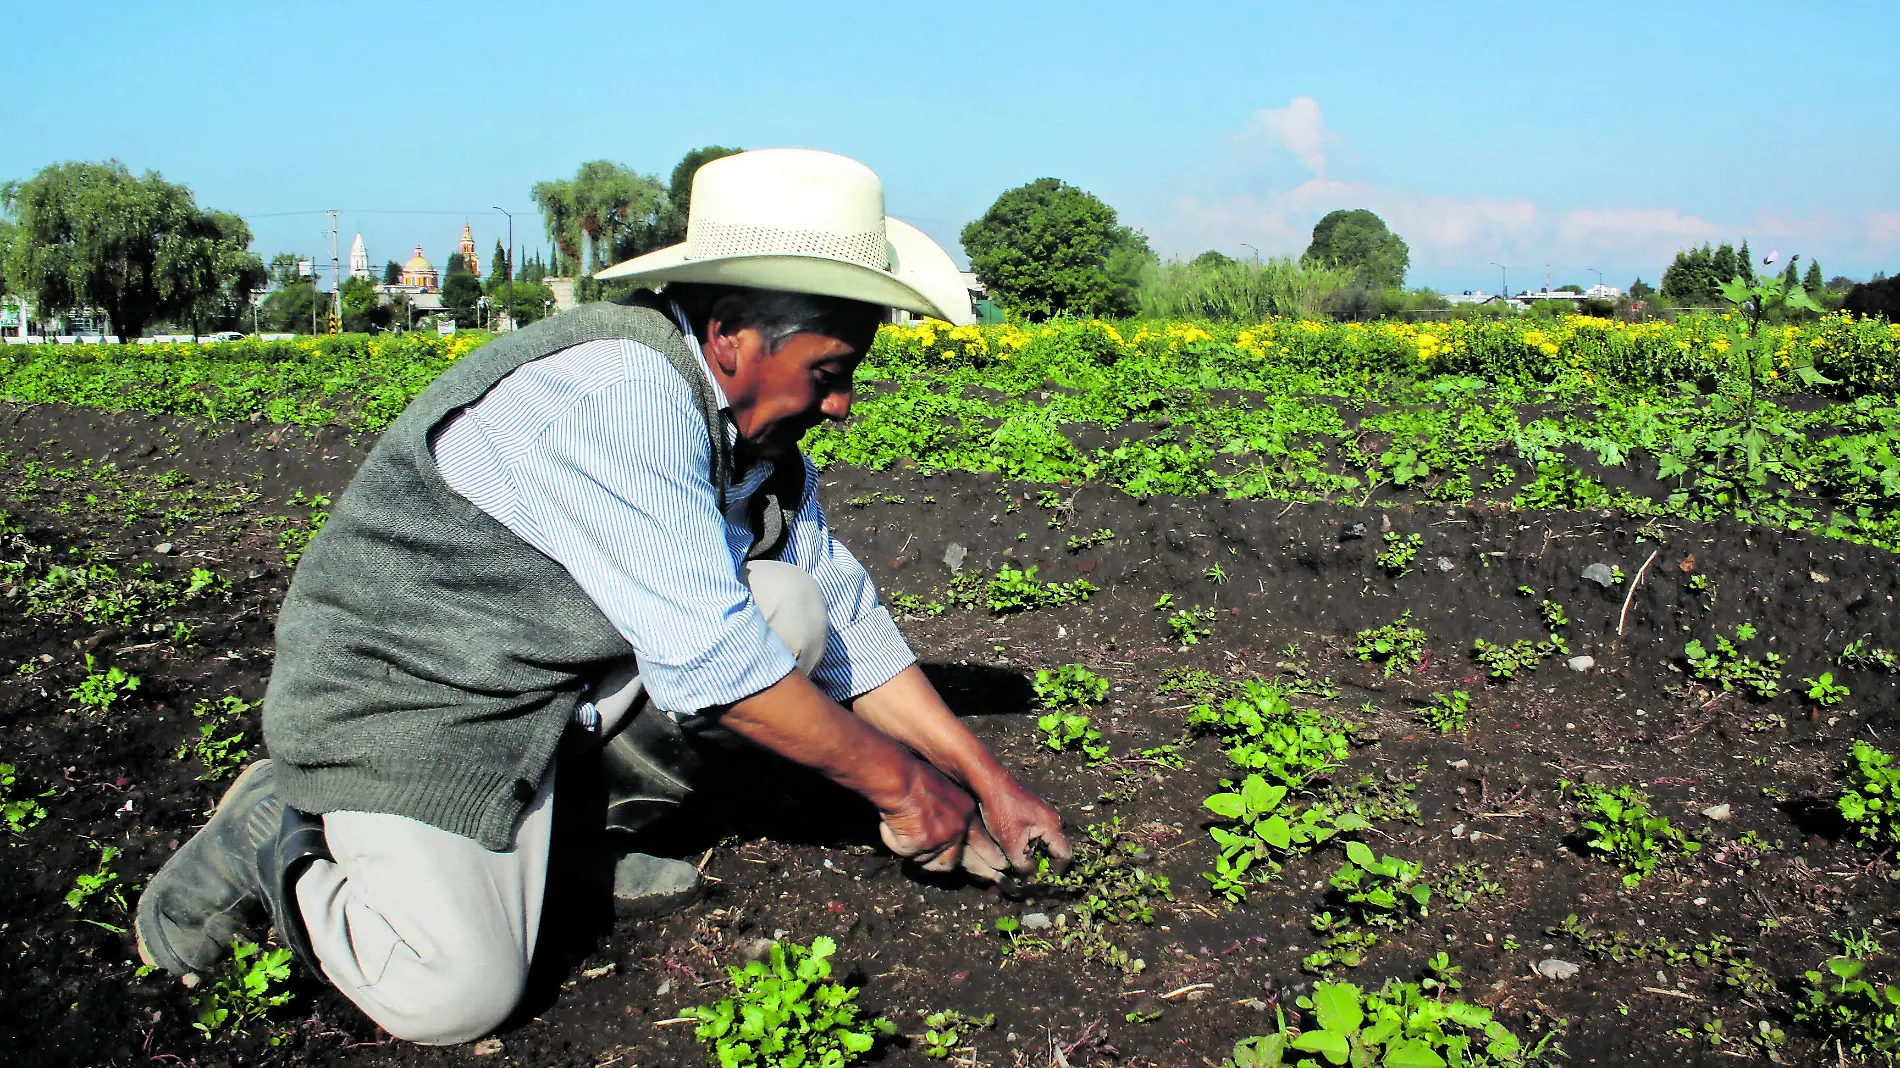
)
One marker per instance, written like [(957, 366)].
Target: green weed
[(1857, 1016), (20, 814), (1870, 797), (1447, 711), (218, 751), (243, 989), (1397, 645), (1069, 686), (99, 691), (946, 1032), (1019, 590), (1081, 542), (1728, 668), (101, 883), (1190, 625), (1397, 556), (1503, 662), (1824, 691), (784, 1010), (1862, 655), (1400, 1025), (1620, 828)]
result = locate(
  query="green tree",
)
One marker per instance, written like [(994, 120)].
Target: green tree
[(1358, 239), (1724, 265), (1745, 264), (528, 297), (461, 290), (1691, 278), (1211, 259), (1640, 289), (679, 192), (290, 308), (604, 211), (392, 273), (1813, 280), (498, 268), (90, 235), (363, 309), (1048, 248)]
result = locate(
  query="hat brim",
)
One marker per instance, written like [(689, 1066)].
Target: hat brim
[(924, 280)]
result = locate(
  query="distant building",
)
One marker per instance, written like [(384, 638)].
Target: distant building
[(1469, 296), (420, 275), (1603, 292), (467, 248), (359, 259)]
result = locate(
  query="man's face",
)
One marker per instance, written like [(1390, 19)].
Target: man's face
[(778, 396)]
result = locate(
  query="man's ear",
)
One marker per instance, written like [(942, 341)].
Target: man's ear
[(722, 348)]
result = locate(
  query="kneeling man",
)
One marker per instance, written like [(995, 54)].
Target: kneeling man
[(597, 530)]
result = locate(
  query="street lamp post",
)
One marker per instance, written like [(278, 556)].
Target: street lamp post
[(1256, 252), (1599, 275), (1504, 280), (511, 266)]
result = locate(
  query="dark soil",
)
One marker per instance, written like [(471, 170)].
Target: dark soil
[(792, 853)]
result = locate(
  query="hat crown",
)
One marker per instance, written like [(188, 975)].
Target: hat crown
[(788, 201)]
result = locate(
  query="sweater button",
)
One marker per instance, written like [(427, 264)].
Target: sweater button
[(524, 790)]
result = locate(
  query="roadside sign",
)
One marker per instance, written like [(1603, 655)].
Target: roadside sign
[(445, 327)]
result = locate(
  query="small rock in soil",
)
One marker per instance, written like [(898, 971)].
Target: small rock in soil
[(1552, 968), (487, 1047), (1036, 921), (1357, 530), (1444, 563), (953, 557), (163, 548), (1718, 813), (758, 949), (666, 987), (1600, 574), (1582, 663)]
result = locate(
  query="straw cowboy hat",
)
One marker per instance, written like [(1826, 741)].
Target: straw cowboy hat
[(803, 221)]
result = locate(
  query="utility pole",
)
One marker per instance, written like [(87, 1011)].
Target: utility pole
[(511, 267), (336, 281), (1504, 279)]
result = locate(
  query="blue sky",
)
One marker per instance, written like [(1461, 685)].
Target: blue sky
[(1582, 136)]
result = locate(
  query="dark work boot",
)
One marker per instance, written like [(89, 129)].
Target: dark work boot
[(648, 768), (233, 875)]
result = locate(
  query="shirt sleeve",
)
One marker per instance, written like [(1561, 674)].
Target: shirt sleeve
[(616, 490), (864, 649)]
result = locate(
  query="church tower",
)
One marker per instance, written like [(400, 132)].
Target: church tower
[(359, 258), (467, 250)]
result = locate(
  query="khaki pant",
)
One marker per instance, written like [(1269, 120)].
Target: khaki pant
[(430, 934)]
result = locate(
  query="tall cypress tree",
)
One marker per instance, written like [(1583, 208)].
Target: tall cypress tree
[(1747, 264), (1725, 269), (1813, 282)]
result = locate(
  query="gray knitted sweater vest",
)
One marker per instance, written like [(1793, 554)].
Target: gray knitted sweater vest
[(428, 659)]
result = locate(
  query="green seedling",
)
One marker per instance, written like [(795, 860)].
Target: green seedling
[(1081, 542), (1400, 1025), (218, 745), (1447, 711), (1071, 730), (1824, 691), (1862, 655), (1189, 626), (103, 884), (243, 989), (1264, 828), (1870, 797), (784, 1010), (1399, 552), (1856, 1016), (1620, 828), (99, 691), (1503, 662), (1019, 590), (1264, 733), (1398, 646), (1725, 665), (1553, 615), (946, 1032), (1216, 574), (20, 814), (1069, 686)]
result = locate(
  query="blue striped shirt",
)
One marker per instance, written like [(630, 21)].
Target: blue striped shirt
[(597, 456)]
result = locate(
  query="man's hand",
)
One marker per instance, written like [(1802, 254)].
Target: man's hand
[(931, 822), (1017, 819)]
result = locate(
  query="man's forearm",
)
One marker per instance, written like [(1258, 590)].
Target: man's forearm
[(909, 709), (795, 719)]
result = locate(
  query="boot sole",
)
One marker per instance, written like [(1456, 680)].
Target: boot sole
[(138, 927)]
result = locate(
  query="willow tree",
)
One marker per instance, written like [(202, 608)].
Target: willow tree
[(604, 210)]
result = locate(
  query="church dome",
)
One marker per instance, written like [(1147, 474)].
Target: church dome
[(418, 263)]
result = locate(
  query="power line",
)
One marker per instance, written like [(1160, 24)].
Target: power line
[(365, 211)]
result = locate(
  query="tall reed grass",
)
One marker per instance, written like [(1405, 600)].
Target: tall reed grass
[(1238, 291)]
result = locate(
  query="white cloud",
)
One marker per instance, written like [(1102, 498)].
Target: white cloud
[(1299, 128), (1883, 227)]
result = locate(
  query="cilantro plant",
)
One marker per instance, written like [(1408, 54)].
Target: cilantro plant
[(243, 989), (1870, 797), (20, 814), (1069, 686), (1400, 1025), (784, 1010), (218, 745), (1857, 1016), (1019, 590), (1621, 828), (1862, 655), (1400, 550), (1727, 667), (1447, 711), (1824, 691), (946, 1032), (1398, 646), (99, 691)]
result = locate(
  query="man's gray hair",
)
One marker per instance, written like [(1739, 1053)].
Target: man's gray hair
[(777, 315)]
